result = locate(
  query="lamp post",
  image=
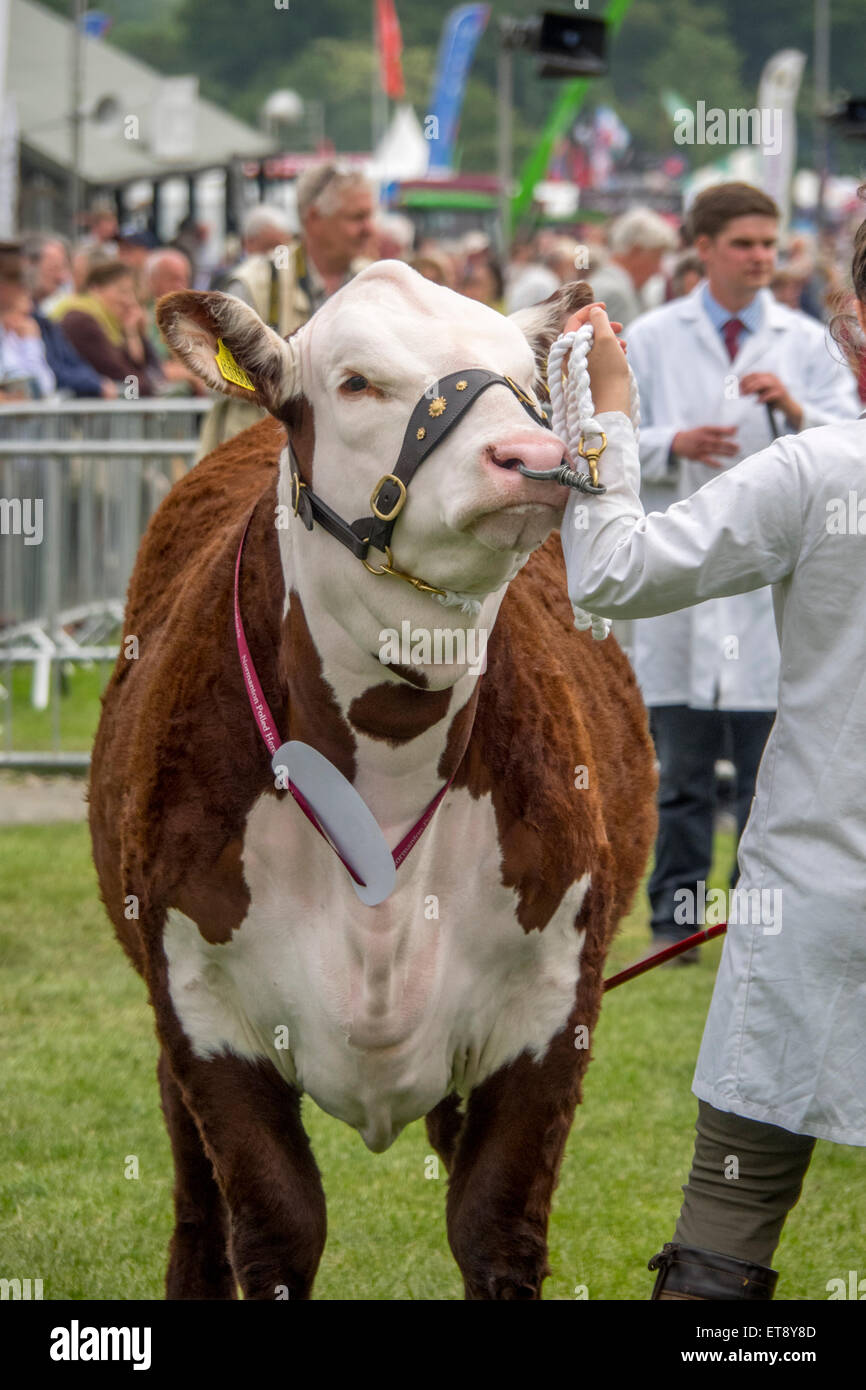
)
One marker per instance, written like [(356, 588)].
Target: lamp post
[(76, 82), (821, 60)]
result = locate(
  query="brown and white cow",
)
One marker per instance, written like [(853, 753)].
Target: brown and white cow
[(464, 996)]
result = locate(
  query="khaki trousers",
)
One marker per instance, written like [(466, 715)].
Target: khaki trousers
[(745, 1178)]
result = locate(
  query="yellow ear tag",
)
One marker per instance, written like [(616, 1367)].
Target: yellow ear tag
[(230, 370)]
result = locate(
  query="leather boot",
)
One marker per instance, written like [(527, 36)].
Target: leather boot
[(685, 1272)]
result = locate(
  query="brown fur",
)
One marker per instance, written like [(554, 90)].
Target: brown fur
[(395, 713), (177, 766)]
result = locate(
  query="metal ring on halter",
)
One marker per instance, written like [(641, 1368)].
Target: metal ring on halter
[(565, 475)]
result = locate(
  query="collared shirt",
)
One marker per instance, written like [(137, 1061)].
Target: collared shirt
[(750, 316)]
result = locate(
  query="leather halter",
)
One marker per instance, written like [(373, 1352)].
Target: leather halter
[(428, 425)]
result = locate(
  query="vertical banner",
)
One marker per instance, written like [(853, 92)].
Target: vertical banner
[(566, 108), (777, 101), (461, 31), (390, 44)]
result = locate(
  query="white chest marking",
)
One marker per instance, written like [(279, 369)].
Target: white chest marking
[(378, 1012)]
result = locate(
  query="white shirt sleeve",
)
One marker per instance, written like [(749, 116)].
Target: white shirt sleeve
[(739, 532)]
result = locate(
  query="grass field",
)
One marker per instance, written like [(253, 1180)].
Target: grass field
[(77, 1060), (26, 729)]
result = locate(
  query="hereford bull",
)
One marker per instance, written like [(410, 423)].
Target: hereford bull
[(468, 994)]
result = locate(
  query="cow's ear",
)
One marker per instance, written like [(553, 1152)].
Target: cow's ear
[(542, 323), (225, 343)]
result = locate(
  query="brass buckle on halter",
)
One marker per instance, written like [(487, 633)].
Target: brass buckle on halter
[(520, 394), (297, 485), (398, 505), (388, 568), (526, 400), (592, 454)]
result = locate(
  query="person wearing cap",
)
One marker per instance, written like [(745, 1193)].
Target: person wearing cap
[(134, 245), (287, 280)]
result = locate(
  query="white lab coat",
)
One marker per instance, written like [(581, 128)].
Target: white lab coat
[(785, 1040), (723, 654)]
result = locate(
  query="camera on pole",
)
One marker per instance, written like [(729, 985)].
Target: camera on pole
[(849, 117), (568, 45)]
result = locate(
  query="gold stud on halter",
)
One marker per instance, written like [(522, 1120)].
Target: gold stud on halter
[(461, 385), (437, 406), (421, 433)]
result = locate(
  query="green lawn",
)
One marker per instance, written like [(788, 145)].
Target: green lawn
[(77, 1057), (33, 730)]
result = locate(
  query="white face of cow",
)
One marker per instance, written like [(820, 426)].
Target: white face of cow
[(363, 362), (468, 517)]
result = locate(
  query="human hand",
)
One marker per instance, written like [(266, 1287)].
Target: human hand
[(134, 319), (706, 443), (582, 316), (606, 363), (771, 391), (108, 389), (22, 324)]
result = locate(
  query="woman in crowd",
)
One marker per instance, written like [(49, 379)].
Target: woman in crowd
[(107, 327)]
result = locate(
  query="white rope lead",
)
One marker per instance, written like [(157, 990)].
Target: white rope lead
[(574, 421)]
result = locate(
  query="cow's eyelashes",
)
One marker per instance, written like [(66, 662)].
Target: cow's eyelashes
[(353, 385)]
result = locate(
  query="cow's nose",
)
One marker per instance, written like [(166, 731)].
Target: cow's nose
[(537, 454)]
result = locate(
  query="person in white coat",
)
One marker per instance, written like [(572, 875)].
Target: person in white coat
[(783, 1059), (720, 372)]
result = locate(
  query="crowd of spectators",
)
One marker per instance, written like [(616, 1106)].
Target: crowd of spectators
[(79, 321)]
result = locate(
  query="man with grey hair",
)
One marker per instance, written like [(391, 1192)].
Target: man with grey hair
[(335, 208), (638, 240), (265, 227), (288, 280)]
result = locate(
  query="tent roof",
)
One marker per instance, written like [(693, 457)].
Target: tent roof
[(39, 78)]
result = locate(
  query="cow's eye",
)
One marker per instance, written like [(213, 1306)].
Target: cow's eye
[(355, 383)]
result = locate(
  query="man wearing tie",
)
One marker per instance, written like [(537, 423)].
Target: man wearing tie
[(721, 372)]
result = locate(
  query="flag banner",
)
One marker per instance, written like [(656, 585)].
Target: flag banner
[(777, 101), (461, 31), (390, 42), (95, 24)]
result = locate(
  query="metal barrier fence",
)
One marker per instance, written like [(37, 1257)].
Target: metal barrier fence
[(79, 481)]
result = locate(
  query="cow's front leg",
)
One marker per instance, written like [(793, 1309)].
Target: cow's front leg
[(506, 1168), (250, 1121), (198, 1262)]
